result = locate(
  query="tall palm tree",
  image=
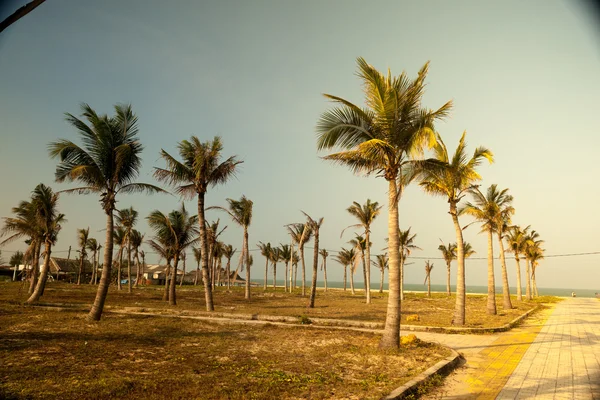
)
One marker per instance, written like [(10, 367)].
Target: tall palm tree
[(183, 259), (201, 167), (120, 239), (301, 233), (275, 258), (407, 245), (285, 255), (83, 236), (428, 268), (212, 239), (382, 138), (240, 212), (382, 263), (136, 239), (535, 253), (93, 246), (198, 257), (448, 254), (502, 228), (162, 246), (143, 255), (265, 251), (49, 220), (127, 218), (532, 248), (107, 163), (15, 260), (516, 241), (179, 230), (315, 226), (452, 178), (24, 225), (468, 249), (324, 253), (360, 245), (488, 210), (295, 260), (365, 214), (228, 252), (346, 258)]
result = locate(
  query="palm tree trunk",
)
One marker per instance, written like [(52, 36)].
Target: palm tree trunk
[(303, 271), (228, 273), (381, 281), (533, 282), (182, 276), (368, 269), (219, 268), (39, 288), (352, 280), (204, 250), (80, 267), (266, 272), (401, 276), (459, 309), (429, 284), (491, 299), (197, 273), (345, 277), (391, 332), (448, 291), (325, 272), (519, 289), (247, 293), (120, 262), (528, 284), (274, 275), (93, 267), (285, 281), (35, 267), (129, 264), (138, 271), (295, 276), (167, 277), (98, 306), (506, 303), (173, 286), (313, 287)]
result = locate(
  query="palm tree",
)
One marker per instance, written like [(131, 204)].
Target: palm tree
[(346, 258), (201, 167), (382, 138), (285, 254), (93, 246), (535, 253), (360, 245), (228, 252), (136, 239), (365, 215), (517, 243), (275, 258), (489, 209), (382, 263), (324, 253), (107, 164), (240, 212), (314, 226), (294, 266), (468, 249), (198, 257), (502, 228), (300, 233), (120, 239), (161, 245), (15, 260), (407, 245), (265, 251), (532, 252), (452, 179), (127, 218), (24, 225), (212, 238), (449, 254), (179, 230), (82, 238), (45, 203), (428, 268), (143, 255)]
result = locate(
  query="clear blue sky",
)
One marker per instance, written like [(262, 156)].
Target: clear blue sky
[(524, 78)]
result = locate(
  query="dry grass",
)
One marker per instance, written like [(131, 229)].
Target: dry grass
[(58, 355), (435, 311)]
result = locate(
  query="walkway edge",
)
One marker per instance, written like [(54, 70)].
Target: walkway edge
[(442, 368)]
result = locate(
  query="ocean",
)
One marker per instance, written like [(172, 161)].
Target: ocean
[(561, 292)]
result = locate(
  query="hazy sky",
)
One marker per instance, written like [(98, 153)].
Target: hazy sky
[(524, 78)]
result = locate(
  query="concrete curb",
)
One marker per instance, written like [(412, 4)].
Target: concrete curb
[(442, 368)]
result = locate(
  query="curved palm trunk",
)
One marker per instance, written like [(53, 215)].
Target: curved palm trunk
[(491, 299), (381, 281), (448, 291), (391, 332), (274, 275), (459, 309), (368, 268), (313, 288), (39, 288), (35, 267), (167, 277), (173, 286), (266, 272), (506, 303), (345, 277), (93, 267), (247, 293), (98, 306), (208, 297), (129, 285), (303, 271), (519, 289), (528, 284), (325, 272)]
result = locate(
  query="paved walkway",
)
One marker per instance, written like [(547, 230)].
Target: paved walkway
[(564, 360)]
